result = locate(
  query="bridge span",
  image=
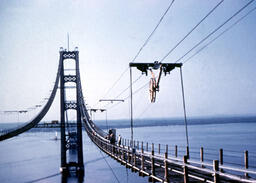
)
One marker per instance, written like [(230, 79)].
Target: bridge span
[(140, 157)]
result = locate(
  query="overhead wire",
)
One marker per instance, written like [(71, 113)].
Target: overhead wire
[(123, 91), (149, 37), (223, 32), (208, 14), (109, 166), (215, 30), (187, 36), (141, 48), (135, 92)]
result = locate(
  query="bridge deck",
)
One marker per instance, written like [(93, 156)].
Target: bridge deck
[(165, 168), (169, 169)]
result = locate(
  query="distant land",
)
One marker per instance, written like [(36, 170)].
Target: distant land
[(125, 123)]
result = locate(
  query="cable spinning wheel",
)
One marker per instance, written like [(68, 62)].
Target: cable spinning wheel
[(152, 90), (153, 84)]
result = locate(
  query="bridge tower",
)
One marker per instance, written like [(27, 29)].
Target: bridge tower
[(71, 139)]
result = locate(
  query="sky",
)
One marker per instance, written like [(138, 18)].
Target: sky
[(218, 81)]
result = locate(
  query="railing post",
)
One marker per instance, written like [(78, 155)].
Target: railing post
[(142, 162), (166, 164), (216, 169), (152, 162), (147, 147), (176, 151), (221, 158), (246, 162), (202, 156), (138, 145), (129, 157), (185, 169), (122, 154), (142, 148), (159, 148), (187, 149), (113, 150), (134, 160)]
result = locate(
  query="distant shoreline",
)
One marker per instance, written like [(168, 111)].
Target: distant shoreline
[(125, 123), (175, 121)]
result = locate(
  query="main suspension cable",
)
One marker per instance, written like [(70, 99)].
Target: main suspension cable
[(215, 30), (190, 31), (223, 32), (149, 37)]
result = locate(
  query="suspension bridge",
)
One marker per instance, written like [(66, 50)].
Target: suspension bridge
[(158, 162), (141, 157)]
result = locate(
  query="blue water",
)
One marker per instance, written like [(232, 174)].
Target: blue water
[(35, 157)]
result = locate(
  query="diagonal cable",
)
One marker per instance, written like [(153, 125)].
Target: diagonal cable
[(190, 32), (223, 32), (149, 37), (141, 48), (215, 30)]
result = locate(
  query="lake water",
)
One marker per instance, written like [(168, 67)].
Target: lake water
[(35, 157)]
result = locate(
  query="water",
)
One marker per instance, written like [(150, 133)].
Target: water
[(35, 157)]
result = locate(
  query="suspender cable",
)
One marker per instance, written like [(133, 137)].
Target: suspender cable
[(131, 107), (184, 106)]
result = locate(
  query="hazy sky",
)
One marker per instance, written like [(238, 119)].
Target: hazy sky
[(220, 80)]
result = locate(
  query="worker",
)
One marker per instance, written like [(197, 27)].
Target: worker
[(119, 140)]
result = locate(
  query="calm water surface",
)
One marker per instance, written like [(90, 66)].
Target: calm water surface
[(35, 156)]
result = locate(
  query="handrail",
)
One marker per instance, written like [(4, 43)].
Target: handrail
[(207, 170)]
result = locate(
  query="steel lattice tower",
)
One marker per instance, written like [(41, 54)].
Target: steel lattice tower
[(70, 140)]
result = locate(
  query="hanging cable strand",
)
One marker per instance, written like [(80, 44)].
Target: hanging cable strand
[(109, 167), (152, 33), (141, 48), (120, 77), (128, 87), (184, 106), (131, 107), (145, 110), (208, 14), (123, 91), (134, 93), (215, 30), (223, 32)]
